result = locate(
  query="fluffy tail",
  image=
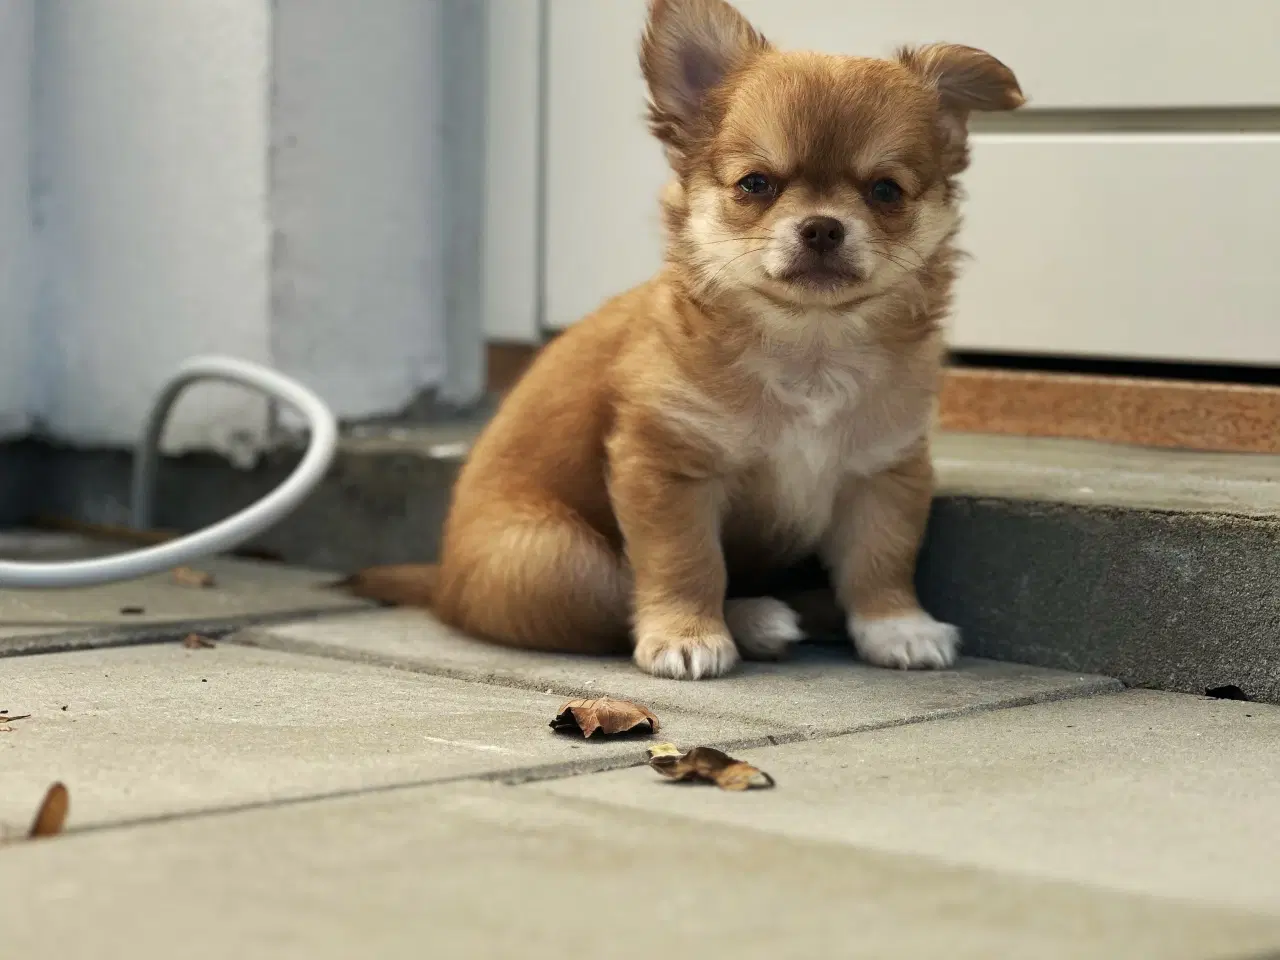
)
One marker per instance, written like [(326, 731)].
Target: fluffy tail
[(401, 585)]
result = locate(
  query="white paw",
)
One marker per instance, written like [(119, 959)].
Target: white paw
[(664, 654), (763, 627), (912, 642)]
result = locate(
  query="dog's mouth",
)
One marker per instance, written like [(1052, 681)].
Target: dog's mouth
[(821, 277)]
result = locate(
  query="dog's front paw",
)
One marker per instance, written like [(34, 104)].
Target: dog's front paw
[(914, 641), (763, 627), (685, 655)]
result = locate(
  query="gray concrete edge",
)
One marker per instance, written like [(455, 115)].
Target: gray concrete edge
[(1171, 599), (85, 636), (269, 640)]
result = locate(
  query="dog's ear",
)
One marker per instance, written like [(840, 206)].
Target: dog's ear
[(689, 48), (965, 80)]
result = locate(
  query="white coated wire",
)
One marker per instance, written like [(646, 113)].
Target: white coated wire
[(225, 534)]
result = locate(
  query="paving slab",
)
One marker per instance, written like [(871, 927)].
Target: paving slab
[(156, 607), (1143, 792), (487, 871), (822, 690), (152, 731)]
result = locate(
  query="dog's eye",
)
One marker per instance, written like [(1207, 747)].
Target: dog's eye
[(756, 184), (886, 192)]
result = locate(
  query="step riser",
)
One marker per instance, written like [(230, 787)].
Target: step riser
[(1168, 601)]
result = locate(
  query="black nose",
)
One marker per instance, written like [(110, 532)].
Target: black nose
[(822, 234)]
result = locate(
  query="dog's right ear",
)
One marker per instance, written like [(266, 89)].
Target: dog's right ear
[(689, 48)]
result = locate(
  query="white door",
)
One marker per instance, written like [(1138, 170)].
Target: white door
[(1132, 211)]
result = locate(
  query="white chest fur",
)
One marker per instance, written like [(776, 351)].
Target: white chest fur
[(837, 421)]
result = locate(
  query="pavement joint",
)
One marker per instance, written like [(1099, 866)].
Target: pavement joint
[(560, 770)]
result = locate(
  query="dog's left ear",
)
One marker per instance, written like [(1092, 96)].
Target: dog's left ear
[(966, 79)]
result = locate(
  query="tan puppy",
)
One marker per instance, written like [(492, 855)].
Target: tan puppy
[(766, 396)]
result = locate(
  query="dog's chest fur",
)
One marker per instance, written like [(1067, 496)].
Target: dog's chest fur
[(820, 425)]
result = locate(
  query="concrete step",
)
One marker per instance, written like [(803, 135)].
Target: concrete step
[(1156, 567)]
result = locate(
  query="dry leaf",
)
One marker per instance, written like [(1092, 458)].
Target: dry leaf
[(708, 764), (193, 641), (606, 715), (191, 577), (5, 720), (52, 814)]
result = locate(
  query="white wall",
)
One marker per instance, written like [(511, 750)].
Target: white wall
[(356, 200), (1087, 240), (261, 178), (151, 136), (15, 214), (514, 187)]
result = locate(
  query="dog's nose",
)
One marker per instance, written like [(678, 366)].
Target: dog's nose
[(822, 234)]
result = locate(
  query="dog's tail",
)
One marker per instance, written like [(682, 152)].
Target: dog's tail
[(399, 585)]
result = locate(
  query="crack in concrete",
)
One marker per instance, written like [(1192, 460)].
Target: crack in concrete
[(564, 770)]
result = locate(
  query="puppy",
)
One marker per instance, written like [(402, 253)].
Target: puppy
[(766, 397)]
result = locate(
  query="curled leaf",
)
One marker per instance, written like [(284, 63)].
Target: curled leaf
[(52, 814), (193, 641), (6, 719), (605, 715), (709, 765), (191, 577)]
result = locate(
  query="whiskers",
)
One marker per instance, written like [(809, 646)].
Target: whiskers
[(905, 257), (761, 244)]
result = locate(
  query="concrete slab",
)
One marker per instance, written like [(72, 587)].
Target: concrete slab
[(1107, 475), (140, 732), (34, 621), (488, 871), (820, 691), (1141, 792)]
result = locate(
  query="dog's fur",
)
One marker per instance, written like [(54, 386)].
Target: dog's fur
[(753, 403)]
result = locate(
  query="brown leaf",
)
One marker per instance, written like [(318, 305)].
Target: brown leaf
[(605, 715), (193, 641), (707, 764), (191, 577), (6, 719), (52, 814)]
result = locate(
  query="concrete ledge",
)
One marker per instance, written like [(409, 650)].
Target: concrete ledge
[(383, 501), (1156, 567), (1172, 601)]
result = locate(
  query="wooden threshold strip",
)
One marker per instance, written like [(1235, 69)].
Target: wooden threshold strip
[(1184, 415), (1149, 412)]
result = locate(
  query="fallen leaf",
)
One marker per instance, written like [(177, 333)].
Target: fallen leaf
[(191, 577), (6, 719), (707, 764), (605, 715), (193, 641), (52, 814)]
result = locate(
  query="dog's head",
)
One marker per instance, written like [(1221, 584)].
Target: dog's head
[(808, 179)]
